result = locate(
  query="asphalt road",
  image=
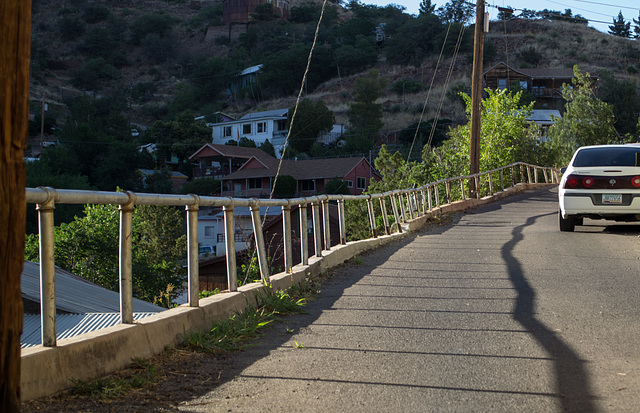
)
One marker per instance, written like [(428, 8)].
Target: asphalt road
[(496, 311)]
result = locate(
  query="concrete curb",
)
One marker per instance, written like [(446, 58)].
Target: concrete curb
[(47, 370)]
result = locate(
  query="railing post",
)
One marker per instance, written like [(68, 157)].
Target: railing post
[(385, 218), (447, 185), (286, 236), (193, 271), (304, 235), (429, 198), (315, 212), (477, 181), (416, 205), (410, 204), (394, 207), (230, 248), (402, 208), (529, 175), (424, 202), (47, 270), (437, 195), (372, 218), (464, 196), (522, 178), (126, 273), (326, 224), (501, 180), (490, 183), (342, 222), (259, 237)]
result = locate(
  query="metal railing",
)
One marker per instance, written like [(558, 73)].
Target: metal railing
[(406, 204)]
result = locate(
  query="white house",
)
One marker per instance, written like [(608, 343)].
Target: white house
[(259, 126)]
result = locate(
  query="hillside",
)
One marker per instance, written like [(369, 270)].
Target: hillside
[(149, 78)]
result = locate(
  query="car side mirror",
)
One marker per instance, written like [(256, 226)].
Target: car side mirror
[(563, 170)]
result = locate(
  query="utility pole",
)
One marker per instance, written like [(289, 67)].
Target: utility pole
[(15, 52), (476, 95), (42, 125)]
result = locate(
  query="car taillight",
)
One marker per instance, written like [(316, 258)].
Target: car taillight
[(635, 181), (587, 182), (571, 182)]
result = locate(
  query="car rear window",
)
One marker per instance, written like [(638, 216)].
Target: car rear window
[(623, 156)]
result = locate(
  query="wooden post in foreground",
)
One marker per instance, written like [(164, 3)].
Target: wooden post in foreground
[(15, 43)]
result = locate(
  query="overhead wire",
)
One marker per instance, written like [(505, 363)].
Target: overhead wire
[(446, 85), (424, 107), (293, 116)]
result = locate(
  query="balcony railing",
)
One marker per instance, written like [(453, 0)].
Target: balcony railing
[(406, 204)]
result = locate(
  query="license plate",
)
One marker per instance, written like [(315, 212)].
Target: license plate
[(611, 198)]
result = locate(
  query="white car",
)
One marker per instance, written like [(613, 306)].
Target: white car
[(601, 182)]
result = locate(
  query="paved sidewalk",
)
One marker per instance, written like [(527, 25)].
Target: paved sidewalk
[(478, 315)]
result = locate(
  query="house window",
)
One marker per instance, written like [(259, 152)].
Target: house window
[(238, 237), (502, 83), (281, 124), (226, 131), (308, 185), (523, 85), (209, 232), (246, 129), (361, 183), (349, 183), (255, 183), (262, 127)]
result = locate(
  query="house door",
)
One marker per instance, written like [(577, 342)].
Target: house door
[(237, 189)]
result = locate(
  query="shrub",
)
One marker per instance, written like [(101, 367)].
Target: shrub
[(530, 55), (70, 28), (406, 85)]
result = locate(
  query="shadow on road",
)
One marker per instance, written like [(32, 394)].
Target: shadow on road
[(572, 381)]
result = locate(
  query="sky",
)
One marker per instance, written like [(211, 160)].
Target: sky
[(600, 13)]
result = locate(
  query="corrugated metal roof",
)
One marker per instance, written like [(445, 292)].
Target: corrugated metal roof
[(69, 325), (77, 295)]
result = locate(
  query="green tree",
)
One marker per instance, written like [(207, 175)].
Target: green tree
[(264, 13), (336, 186), (88, 247), (396, 172), (268, 148), (622, 95), (506, 137), (202, 186), (180, 137), (636, 27), (457, 11), (415, 40), (426, 7), (283, 72), (94, 74), (285, 187), (619, 27), (311, 120), (365, 116), (587, 120)]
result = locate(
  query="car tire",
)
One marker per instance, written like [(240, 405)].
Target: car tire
[(567, 224)]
